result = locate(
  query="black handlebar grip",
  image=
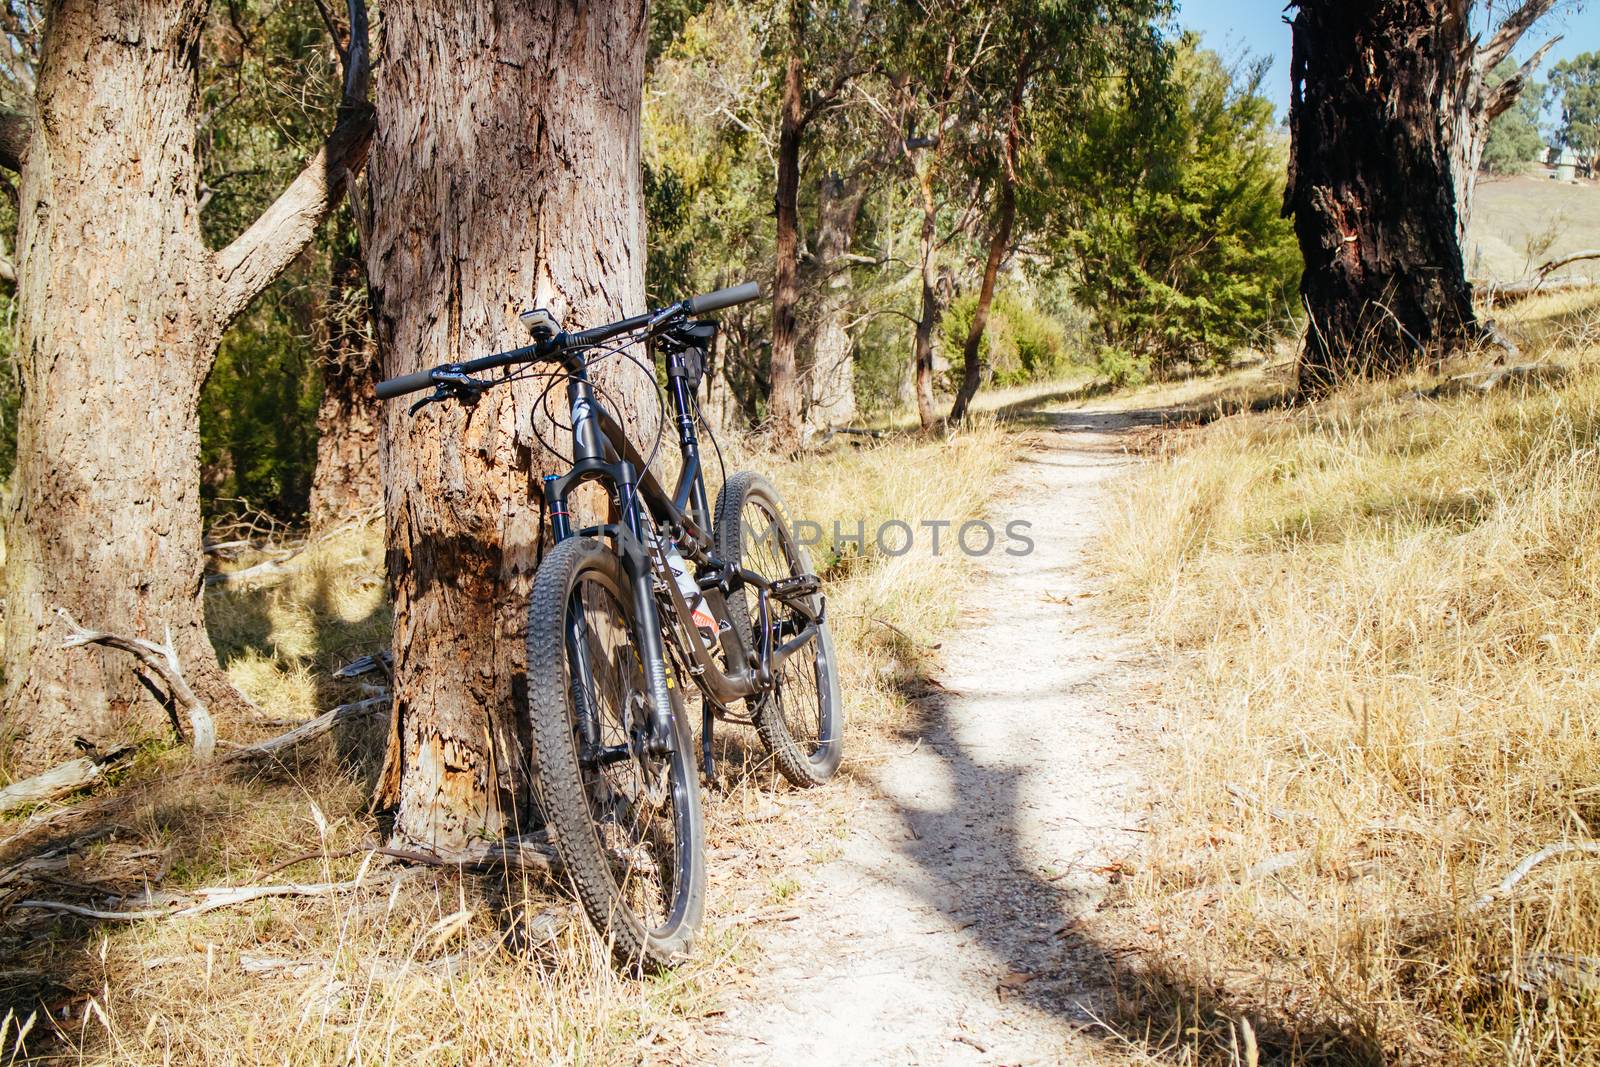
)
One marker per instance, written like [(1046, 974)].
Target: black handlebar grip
[(406, 383), (722, 298)]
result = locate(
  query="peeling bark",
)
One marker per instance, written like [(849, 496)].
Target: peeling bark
[(506, 175)]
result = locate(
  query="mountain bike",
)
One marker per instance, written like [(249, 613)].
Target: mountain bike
[(624, 613)]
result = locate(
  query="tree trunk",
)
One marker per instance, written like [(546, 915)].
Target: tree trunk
[(506, 175), (831, 373), (105, 519), (120, 309), (783, 401), (999, 243), (347, 481), (932, 306), (1477, 104), (972, 366), (1371, 186)]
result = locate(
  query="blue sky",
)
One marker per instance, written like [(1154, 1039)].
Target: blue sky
[(1256, 27)]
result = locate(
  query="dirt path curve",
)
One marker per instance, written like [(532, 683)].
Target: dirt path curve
[(957, 926)]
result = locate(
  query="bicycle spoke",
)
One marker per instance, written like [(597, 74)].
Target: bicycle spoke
[(635, 832)]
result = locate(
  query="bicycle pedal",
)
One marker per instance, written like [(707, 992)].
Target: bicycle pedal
[(801, 585)]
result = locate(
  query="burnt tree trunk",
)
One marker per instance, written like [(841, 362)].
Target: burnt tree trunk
[(120, 309), (783, 399), (347, 481), (830, 375), (506, 175), (1371, 186)]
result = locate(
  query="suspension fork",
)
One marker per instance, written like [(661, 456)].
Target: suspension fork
[(589, 456)]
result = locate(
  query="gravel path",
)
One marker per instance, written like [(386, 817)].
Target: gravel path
[(957, 925)]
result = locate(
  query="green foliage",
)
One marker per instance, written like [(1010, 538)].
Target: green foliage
[(1576, 83), (1514, 139), (258, 427), (1176, 240), (1022, 343), (270, 83)]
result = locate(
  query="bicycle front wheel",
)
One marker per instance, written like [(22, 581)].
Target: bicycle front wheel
[(626, 823), (801, 721)]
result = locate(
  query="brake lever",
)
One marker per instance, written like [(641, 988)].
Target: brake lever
[(452, 385)]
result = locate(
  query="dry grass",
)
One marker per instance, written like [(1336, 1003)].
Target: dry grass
[(430, 972), (1387, 613)]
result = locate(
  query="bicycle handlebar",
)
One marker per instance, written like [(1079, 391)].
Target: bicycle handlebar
[(722, 298), (553, 348)]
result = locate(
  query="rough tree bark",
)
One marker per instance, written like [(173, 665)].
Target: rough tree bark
[(830, 374), (1371, 186), (783, 400), (999, 244), (347, 481), (506, 175), (120, 310), (1477, 104)]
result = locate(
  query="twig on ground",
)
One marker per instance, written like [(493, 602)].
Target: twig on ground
[(1244, 796), (1521, 870), (217, 897), (162, 661)]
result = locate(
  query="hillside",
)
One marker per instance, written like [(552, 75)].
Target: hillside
[(1520, 222)]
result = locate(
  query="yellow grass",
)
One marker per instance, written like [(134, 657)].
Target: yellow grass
[(1387, 616), (372, 976)]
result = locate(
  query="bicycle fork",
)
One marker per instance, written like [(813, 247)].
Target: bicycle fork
[(590, 464)]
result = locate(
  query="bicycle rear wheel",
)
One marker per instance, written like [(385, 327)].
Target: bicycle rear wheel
[(627, 824), (801, 721)]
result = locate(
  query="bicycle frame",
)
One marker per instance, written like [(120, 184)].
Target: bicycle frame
[(602, 452)]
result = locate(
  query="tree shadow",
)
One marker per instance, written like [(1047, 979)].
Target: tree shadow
[(1049, 935), (1056, 932)]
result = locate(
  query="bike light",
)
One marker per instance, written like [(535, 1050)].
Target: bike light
[(541, 325)]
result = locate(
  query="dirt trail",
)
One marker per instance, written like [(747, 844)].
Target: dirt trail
[(957, 925)]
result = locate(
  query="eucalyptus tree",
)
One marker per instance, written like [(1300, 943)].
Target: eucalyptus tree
[(826, 44), (120, 308), (1388, 114), (506, 174)]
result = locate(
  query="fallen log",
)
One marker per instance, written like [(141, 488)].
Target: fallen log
[(310, 729), (59, 781), (1499, 295)]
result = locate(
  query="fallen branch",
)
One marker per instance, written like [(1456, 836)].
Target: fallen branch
[(311, 729), (1551, 266), (59, 781), (278, 565), (1521, 870), (161, 660), (218, 897), (1543, 972), (1245, 797), (1512, 292)]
